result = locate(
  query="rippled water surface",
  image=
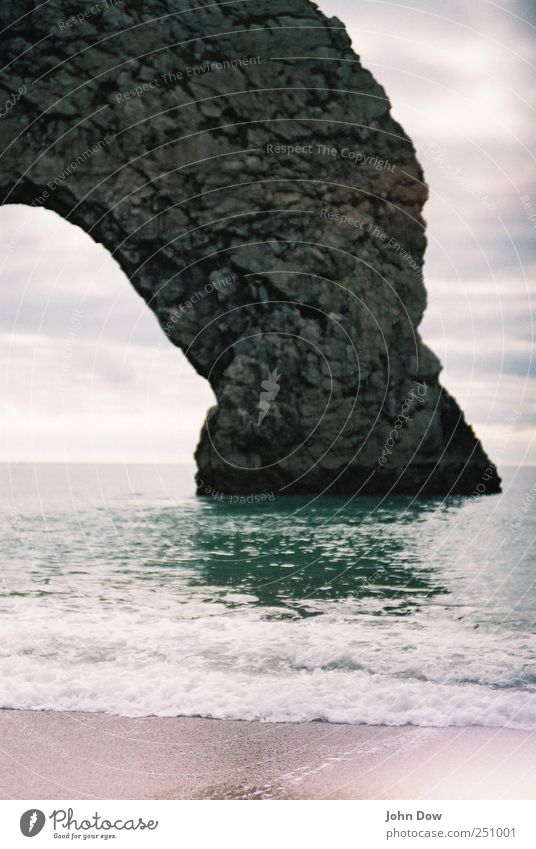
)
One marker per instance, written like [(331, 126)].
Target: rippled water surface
[(124, 593)]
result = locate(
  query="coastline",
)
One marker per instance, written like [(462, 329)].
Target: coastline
[(73, 755)]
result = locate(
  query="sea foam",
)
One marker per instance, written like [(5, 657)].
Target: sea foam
[(240, 665)]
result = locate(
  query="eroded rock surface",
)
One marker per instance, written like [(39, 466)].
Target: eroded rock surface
[(245, 171)]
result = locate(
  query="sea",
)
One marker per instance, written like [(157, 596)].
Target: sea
[(123, 592)]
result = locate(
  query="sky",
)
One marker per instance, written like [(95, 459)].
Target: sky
[(88, 376)]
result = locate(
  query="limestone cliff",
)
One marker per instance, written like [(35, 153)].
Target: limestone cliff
[(245, 171)]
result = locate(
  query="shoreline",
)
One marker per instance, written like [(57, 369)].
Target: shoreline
[(75, 755)]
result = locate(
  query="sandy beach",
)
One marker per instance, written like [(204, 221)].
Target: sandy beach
[(54, 755)]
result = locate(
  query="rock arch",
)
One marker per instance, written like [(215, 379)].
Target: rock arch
[(245, 171)]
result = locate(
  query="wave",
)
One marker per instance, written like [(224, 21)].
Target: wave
[(241, 665)]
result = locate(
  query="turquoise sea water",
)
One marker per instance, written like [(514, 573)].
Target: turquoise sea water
[(123, 592)]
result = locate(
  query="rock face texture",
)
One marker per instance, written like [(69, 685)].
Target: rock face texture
[(244, 170)]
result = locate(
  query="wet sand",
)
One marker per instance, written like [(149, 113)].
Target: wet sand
[(48, 755)]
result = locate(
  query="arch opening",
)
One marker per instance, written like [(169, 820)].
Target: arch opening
[(88, 374)]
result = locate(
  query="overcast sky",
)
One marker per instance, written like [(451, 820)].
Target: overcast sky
[(88, 375)]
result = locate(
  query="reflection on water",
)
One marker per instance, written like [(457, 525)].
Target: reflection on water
[(124, 526), (293, 554)]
